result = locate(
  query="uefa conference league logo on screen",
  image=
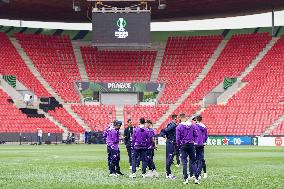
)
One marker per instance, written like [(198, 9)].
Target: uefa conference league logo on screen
[(121, 33)]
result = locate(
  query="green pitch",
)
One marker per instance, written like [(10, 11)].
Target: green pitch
[(85, 166)]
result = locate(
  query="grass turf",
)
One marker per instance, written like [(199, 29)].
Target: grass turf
[(85, 166)]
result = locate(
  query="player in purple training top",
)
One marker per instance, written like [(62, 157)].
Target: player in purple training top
[(112, 140), (150, 151), (201, 164), (107, 129), (185, 138), (140, 143)]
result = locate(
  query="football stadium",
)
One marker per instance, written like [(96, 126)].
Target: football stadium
[(141, 94)]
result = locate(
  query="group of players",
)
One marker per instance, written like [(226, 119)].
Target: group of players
[(185, 138)]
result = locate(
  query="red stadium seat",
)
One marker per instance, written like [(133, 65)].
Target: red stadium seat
[(256, 106), (97, 117), (67, 120), (14, 121), (12, 64), (148, 112), (118, 66), (54, 58), (183, 60)]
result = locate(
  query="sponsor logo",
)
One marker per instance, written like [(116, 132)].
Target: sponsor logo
[(121, 33), (225, 141), (254, 141), (119, 85), (278, 141), (221, 140), (237, 141)]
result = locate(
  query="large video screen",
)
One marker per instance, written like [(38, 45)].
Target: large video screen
[(121, 28)]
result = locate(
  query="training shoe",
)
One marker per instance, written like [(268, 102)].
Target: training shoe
[(119, 173), (133, 175), (205, 175), (196, 181), (113, 175), (156, 174), (185, 181), (191, 178), (177, 165), (149, 174), (130, 168), (171, 177), (199, 177)]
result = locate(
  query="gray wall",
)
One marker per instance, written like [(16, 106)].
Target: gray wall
[(119, 98), (29, 137)]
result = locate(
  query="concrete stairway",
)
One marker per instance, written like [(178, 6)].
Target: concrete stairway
[(80, 62), (246, 71), (119, 113), (258, 58), (36, 73), (76, 116), (13, 93), (160, 47), (33, 69), (250, 67), (200, 77), (273, 126)]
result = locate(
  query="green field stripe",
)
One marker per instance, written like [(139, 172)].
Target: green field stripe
[(280, 32), (48, 31), (7, 29), (163, 36), (14, 30), (31, 30), (88, 37), (70, 33), (239, 31), (267, 29)]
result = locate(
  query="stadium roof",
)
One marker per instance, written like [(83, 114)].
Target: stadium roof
[(62, 10)]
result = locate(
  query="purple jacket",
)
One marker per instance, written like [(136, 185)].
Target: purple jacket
[(151, 133), (140, 137), (106, 131), (112, 138), (204, 132), (186, 133), (199, 141)]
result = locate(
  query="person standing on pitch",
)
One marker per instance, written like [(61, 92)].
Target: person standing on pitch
[(201, 164), (105, 133), (128, 132), (170, 135), (185, 137), (140, 141), (177, 154), (112, 140), (150, 151), (39, 136)]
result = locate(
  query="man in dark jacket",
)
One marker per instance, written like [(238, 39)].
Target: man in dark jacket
[(202, 139), (170, 134), (128, 132)]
